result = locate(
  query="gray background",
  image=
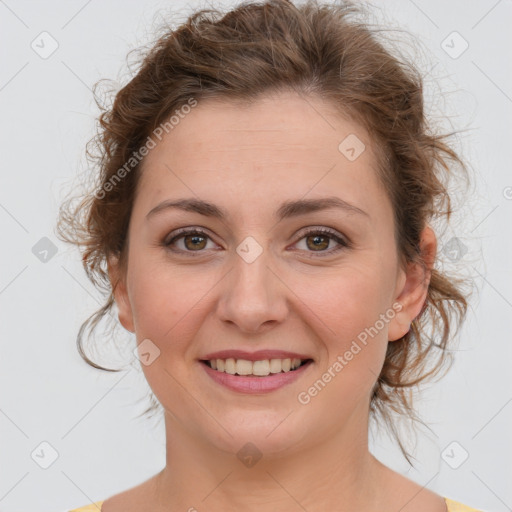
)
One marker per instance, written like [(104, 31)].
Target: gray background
[(87, 417)]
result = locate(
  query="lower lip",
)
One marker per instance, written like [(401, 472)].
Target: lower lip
[(251, 384)]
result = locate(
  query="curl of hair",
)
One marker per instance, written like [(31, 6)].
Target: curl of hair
[(312, 49)]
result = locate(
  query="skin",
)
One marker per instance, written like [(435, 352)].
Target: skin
[(248, 160)]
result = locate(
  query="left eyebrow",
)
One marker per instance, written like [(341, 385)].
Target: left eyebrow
[(303, 206), (287, 209)]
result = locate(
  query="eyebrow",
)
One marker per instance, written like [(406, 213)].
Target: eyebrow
[(287, 209)]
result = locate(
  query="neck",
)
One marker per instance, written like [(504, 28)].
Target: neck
[(336, 472)]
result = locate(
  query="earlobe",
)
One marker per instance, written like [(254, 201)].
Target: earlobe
[(120, 293), (413, 286), (399, 327)]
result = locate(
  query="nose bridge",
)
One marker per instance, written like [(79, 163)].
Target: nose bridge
[(252, 295)]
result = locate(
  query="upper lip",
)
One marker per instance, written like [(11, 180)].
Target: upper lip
[(254, 356)]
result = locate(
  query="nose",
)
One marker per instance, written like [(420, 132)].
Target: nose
[(253, 297)]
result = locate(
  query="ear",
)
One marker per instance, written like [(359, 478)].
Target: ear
[(117, 281), (412, 287)]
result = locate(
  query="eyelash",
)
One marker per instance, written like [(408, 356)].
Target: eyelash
[(343, 244)]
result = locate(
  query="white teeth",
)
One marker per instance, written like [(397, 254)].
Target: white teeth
[(275, 365), (230, 366), (260, 368), (243, 367)]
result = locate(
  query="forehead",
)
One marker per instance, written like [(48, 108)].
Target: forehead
[(281, 122), (280, 144)]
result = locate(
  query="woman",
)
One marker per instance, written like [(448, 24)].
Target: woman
[(262, 224)]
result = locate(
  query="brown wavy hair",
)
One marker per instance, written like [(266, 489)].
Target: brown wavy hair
[(314, 49)]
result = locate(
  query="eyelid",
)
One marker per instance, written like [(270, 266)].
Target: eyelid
[(180, 233), (324, 230), (342, 241), (185, 231)]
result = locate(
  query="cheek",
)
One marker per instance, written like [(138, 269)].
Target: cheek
[(170, 306), (158, 301), (355, 345), (350, 300), (352, 304)]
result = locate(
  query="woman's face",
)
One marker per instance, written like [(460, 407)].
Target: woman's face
[(262, 277)]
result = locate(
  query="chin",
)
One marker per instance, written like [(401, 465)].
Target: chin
[(269, 435)]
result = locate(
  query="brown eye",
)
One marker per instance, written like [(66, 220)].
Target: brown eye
[(318, 242), (188, 241), (194, 242)]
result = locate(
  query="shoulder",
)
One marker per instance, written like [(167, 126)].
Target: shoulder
[(140, 497), (93, 507), (455, 506)]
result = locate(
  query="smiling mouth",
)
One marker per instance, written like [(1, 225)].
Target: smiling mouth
[(261, 368)]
